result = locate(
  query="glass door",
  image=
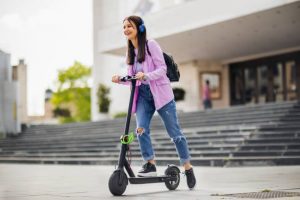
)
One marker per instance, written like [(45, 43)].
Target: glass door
[(291, 77), (270, 79), (250, 85), (262, 83), (237, 86), (278, 75)]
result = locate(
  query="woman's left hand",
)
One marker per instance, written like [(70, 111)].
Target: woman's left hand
[(140, 76)]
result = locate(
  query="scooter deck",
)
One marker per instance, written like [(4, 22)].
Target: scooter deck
[(155, 179)]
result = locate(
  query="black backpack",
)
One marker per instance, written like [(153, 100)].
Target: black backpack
[(172, 69)]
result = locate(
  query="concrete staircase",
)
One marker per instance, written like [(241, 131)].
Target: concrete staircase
[(267, 134)]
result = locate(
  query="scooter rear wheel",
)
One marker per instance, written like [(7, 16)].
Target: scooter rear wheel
[(174, 172), (118, 182)]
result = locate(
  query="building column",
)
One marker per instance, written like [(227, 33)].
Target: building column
[(297, 63)]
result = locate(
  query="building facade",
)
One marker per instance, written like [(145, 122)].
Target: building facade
[(9, 113), (48, 117), (19, 75), (249, 50)]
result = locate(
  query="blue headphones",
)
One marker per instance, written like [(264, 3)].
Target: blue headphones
[(142, 27)]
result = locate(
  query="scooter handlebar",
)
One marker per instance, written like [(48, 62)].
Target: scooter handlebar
[(127, 78)]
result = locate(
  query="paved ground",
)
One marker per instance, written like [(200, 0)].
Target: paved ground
[(74, 182)]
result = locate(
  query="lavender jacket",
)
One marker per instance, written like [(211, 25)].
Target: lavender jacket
[(155, 69)]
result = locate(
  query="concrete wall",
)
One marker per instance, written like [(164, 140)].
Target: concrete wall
[(21, 75), (105, 65), (184, 17), (12, 119), (3, 76), (9, 116)]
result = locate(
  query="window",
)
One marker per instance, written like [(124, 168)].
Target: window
[(214, 79)]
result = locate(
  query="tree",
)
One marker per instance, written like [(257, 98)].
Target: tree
[(72, 100)]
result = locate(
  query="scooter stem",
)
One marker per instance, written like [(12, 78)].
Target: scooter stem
[(133, 81), (122, 159)]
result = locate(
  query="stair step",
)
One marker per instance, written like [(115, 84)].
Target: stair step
[(267, 134)]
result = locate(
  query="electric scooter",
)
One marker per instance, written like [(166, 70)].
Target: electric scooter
[(118, 181)]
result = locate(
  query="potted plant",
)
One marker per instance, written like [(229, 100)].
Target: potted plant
[(179, 94), (103, 100)]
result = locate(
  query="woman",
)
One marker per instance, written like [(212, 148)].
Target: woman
[(206, 97), (154, 92)]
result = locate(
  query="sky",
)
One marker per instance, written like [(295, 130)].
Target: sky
[(49, 35)]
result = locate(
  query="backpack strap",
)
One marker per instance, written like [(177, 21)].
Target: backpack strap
[(148, 48)]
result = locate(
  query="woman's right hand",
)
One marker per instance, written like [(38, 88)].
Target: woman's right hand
[(115, 79)]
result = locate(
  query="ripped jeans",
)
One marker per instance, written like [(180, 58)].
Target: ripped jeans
[(144, 113)]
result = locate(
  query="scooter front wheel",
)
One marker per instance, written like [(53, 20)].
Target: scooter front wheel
[(118, 182), (174, 172)]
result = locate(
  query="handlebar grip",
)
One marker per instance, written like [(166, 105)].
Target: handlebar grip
[(123, 79)]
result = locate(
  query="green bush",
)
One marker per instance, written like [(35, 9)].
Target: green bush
[(103, 99), (120, 115), (179, 94), (61, 112)]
